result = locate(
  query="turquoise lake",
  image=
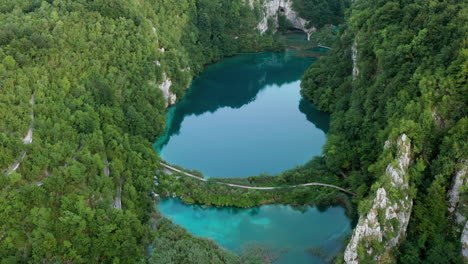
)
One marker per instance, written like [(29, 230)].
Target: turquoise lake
[(278, 227), (245, 116)]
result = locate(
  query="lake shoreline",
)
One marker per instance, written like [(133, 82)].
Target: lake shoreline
[(234, 229), (219, 126), (192, 192)]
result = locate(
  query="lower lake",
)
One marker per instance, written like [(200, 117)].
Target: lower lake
[(305, 235)]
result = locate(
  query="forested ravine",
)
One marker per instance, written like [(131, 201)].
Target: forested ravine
[(84, 176)]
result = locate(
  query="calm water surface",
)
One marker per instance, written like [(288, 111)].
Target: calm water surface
[(245, 116), (278, 227)]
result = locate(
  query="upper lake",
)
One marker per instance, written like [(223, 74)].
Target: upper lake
[(245, 116)]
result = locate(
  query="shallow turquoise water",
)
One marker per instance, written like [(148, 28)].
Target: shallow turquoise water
[(245, 116), (278, 227)]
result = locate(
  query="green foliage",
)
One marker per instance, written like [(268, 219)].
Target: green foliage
[(173, 245), (431, 230), (283, 23), (412, 61), (387, 98), (93, 68), (326, 36), (212, 193), (322, 12)]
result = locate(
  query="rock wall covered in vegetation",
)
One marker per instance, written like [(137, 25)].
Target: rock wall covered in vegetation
[(306, 15), (397, 69), (383, 227)]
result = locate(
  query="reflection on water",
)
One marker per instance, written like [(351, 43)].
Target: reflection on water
[(244, 116)]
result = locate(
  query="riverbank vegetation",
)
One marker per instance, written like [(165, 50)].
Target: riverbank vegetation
[(174, 244), (212, 193)]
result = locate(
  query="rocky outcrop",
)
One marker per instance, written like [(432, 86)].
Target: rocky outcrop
[(438, 119), (118, 198), (387, 219), (106, 168), (454, 194), (354, 58), (456, 206), (165, 88), (464, 242), (272, 7), (28, 139), (166, 84)]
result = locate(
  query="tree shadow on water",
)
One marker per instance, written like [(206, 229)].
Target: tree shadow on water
[(237, 81)]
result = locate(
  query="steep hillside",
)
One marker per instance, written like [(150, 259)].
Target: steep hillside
[(77, 178), (398, 74), (306, 15), (84, 86)]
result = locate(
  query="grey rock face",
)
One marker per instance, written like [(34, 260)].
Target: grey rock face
[(272, 7), (394, 213)]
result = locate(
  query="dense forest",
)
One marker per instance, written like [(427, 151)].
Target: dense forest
[(80, 108), (80, 192), (400, 67), (320, 13)]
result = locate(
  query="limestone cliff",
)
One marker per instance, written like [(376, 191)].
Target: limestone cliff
[(383, 226), (165, 88), (272, 7), (464, 241), (354, 58), (457, 206)]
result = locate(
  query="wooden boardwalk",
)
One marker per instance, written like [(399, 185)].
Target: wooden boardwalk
[(325, 47), (168, 167)]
